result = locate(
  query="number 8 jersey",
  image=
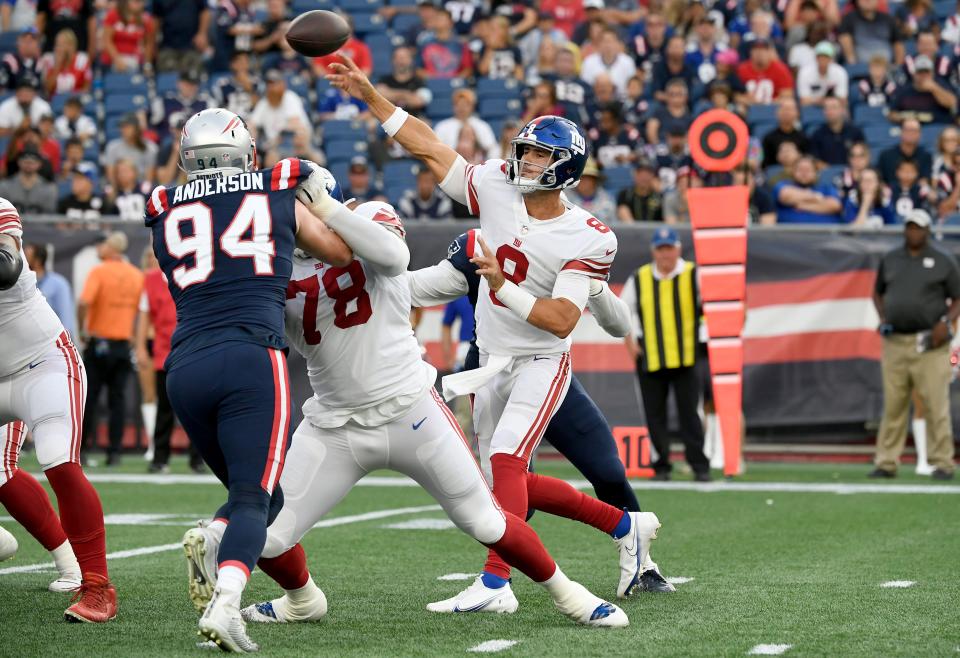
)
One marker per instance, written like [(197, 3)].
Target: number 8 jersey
[(537, 255), (226, 245)]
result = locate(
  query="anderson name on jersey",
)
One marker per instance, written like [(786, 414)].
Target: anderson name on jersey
[(547, 258)]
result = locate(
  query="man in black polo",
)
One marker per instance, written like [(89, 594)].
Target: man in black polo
[(914, 285)]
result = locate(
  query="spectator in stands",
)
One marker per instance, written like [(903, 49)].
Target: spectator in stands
[(129, 37), (928, 45), (611, 59), (48, 143), (829, 10), (765, 77), (684, 16), (337, 104), (288, 61), (274, 28), (590, 195), (831, 142), (914, 284), (870, 204), (17, 14), (649, 46), (235, 28), (573, 94), (669, 156), (614, 143), (824, 79), (878, 88), (168, 158), (442, 54), (425, 201), (73, 159), (24, 108), (402, 86), (468, 146), (858, 160), (126, 196), (238, 92), (909, 191), (66, 70), (594, 20), (763, 27), (279, 110), (673, 65), (947, 185), (545, 31), (500, 59), (24, 62), (132, 146), (425, 11), (604, 94), (702, 52), (54, 286), (74, 123), (761, 207), (82, 205), (184, 26), (804, 54), (788, 155), (178, 106), (925, 99), (568, 13), (78, 17), (866, 31), (464, 105), (27, 190), (803, 201), (727, 63), (540, 102), (30, 137), (543, 64), (106, 313), (509, 130), (636, 105), (642, 202), (676, 210), (951, 28), (787, 130), (947, 143), (909, 148), (672, 115), (360, 183), (916, 16)]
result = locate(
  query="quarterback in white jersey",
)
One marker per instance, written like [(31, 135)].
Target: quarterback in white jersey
[(374, 407), (43, 388), (539, 255)]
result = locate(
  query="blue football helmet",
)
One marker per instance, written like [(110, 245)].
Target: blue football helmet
[(333, 187), (566, 142)]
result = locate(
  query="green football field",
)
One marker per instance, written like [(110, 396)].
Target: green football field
[(788, 555)]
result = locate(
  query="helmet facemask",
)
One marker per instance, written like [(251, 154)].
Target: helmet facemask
[(215, 151), (547, 180)]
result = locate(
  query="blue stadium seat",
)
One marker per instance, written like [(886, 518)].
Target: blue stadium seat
[(118, 104), (92, 152), (499, 108), (773, 170), (166, 82), (364, 24), (298, 85), (944, 8), (858, 70), (64, 188), (497, 88), (951, 220), (125, 83), (339, 130), (8, 41), (339, 171), (762, 114), (381, 49), (354, 6), (400, 172), (402, 3), (865, 115), (402, 23), (930, 133), (301, 6), (828, 174), (343, 150), (811, 114), (761, 128), (441, 87), (880, 137), (617, 178), (323, 85), (440, 108)]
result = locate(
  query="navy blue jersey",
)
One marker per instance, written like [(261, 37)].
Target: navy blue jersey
[(225, 245)]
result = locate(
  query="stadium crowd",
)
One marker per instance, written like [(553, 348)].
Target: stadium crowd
[(851, 106)]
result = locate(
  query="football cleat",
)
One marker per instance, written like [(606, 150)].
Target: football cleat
[(634, 548), (65, 583), (8, 545), (652, 581), (94, 602), (284, 611), (479, 598), (584, 608), (200, 545), (222, 624)]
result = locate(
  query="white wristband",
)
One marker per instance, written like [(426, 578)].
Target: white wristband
[(516, 299), (392, 125)]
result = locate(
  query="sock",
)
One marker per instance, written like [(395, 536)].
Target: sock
[(491, 581), (556, 497), (288, 570), (232, 576), (557, 584), (919, 426), (303, 594), (148, 410), (218, 526), (510, 490), (81, 516), (65, 559), (623, 527), (30, 506)]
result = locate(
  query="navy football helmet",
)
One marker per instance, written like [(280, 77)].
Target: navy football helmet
[(564, 139)]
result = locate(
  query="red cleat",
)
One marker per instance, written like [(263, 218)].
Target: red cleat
[(94, 603)]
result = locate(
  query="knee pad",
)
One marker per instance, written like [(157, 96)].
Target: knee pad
[(51, 440), (249, 500), (486, 527)]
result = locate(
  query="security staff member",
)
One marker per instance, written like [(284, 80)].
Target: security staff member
[(666, 314), (914, 284)]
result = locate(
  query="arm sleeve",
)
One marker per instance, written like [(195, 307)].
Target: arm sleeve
[(454, 183), (10, 220), (612, 313), (384, 250), (573, 286), (462, 182), (629, 297), (437, 284)]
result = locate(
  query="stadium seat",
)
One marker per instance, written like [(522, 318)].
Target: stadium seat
[(340, 170), (402, 23), (400, 172), (364, 24), (301, 6), (865, 115), (342, 150), (828, 174), (810, 115), (359, 6), (488, 88), (944, 8), (166, 82), (930, 133), (762, 114), (8, 41), (858, 70), (298, 85), (381, 49), (64, 188), (124, 83), (761, 128), (442, 87), (123, 103), (617, 178), (499, 108), (951, 220), (402, 3), (880, 137), (323, 86), (339, 130), (440, 108)]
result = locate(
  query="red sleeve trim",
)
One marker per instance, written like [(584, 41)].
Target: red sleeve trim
[(471, 242), (473, 202), (591, 270)]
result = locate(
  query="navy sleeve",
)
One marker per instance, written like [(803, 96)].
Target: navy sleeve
[(457, 255)]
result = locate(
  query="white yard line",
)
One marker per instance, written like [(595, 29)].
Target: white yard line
[(493, 646), (769, 649), (457, 576), (678, 580), (326, 523), (901, 584)]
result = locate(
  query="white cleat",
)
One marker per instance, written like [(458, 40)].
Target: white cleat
[(925, 469), (634, 548), (283, 611), (65, 583), (479, 598), (584, 608), (8, 545), (200, 545), (222, 624)]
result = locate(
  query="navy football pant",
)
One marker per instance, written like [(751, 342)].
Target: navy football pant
[(580, 433), (234, 403)]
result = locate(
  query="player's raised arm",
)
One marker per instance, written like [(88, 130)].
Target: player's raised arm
[(314, 237), (437, 284), (410, 132), (611, 312)]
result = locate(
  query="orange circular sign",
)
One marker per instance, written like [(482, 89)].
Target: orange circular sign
[(718, 140)]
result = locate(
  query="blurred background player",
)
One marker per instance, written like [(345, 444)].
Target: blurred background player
[(43, 384), (552, 249), (226, 372)]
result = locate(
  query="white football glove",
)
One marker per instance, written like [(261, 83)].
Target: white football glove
[(314, 195)]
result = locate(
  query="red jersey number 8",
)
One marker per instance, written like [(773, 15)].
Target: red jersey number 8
[(516, 273), (593, 222)]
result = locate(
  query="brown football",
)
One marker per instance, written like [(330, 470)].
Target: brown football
[(317, 33)]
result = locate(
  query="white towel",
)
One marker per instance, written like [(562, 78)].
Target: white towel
[(469, 381)]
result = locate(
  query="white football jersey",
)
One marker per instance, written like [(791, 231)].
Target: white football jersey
[(352, 325), (531, 253), (28, 326)]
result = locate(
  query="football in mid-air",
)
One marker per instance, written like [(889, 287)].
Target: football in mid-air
[(317, 33)]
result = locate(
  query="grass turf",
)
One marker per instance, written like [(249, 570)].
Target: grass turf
[(768, 568)]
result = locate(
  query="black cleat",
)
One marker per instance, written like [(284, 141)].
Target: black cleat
[(652, 581), (661, 476), (882, 474), (940, 474), (703, 477)]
